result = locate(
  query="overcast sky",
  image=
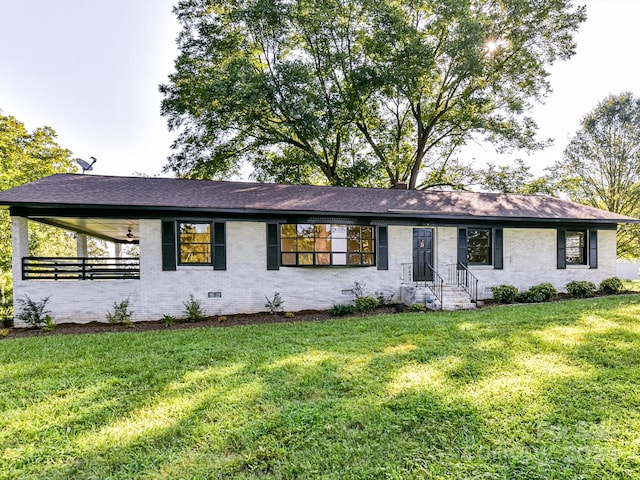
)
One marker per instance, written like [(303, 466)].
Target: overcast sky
[(91, 71)]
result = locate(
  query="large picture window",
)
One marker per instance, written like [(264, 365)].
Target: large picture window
[(479, 246), (576, 247), (324, 244), (194, 243)]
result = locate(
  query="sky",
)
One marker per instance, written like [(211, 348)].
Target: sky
[(91, 71)]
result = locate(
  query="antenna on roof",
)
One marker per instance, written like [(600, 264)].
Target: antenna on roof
[(86, 166)]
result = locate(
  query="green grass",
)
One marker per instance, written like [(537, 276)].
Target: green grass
[(529, 391)]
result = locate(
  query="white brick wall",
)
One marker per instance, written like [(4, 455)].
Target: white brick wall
[(529, 258)]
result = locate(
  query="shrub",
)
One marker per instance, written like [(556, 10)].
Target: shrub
[(341, 309), (525, 297), (365, 303), (4, 332), (504, 293), (545, 292), (611, 286), (581, 289), (193, 310), (417, 307), (383, 299), (33, 313), (289, 315), (359, 290), (6, 315), (121, 313), (275, 304), (49, 324), (168, 320)]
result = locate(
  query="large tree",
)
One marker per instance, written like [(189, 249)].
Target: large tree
[(26, 156), (601, 164), (357, 91)]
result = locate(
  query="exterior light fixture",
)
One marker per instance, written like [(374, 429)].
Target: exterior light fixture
[(129, 235)]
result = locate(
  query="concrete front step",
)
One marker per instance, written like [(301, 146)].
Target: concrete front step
[(453, 298)]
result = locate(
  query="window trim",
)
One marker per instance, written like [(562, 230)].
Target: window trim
[(315, 252)]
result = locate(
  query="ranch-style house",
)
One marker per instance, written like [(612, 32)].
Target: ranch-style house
[(231, 244)]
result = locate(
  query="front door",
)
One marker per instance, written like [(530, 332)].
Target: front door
[(422, 254)]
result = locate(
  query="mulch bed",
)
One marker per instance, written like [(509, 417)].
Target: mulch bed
[(208, 322)]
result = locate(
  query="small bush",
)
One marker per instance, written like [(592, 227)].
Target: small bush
[(366, 303), (545, 292), (222, 318), (289, 315), (611, 286), (4, 332), (274, 304), (383, 299), (417, 307), (6, 316), (49, 324), (193, 310), (581, 289), (359, 290), (121, 313), (341, 309), (168, 320), (504, 293), (525, 297), (33, 313)]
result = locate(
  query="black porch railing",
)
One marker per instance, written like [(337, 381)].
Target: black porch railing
[(436, 284), (80, 268), (460, 275)]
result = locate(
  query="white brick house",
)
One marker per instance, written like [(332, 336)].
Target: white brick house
[(230, 244)]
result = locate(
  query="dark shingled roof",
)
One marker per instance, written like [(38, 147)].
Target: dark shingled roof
[(88, 191)]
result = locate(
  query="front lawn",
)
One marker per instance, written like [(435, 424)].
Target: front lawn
[(547, 391)]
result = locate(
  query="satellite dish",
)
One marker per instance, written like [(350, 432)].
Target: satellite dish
[(86, 166)]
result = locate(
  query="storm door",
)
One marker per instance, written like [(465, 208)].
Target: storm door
[(422, 254)]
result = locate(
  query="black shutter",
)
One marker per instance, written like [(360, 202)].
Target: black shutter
[(497, 249), (462, 246), (219, 247), (593, 249), (383, 248), (168, 245), (562, 249), (273, 250)]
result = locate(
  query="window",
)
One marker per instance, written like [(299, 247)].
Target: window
[(194, 240), (576, 247), (324, 244), (479, 246)]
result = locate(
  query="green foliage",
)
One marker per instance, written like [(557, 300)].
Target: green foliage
[(6, 315), (121, 314), (33, 312), (581, 289), (168, 320), (289, 315), (4, 332), (274, 304), (417, 307), (342, 309), (48, 324), (601, 164), (544, 292), (383, 300), (612, 286), (349, 92), (516, 392), (516, 178), (24, 157), (193, 310), (366, 303), (504, 293)]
